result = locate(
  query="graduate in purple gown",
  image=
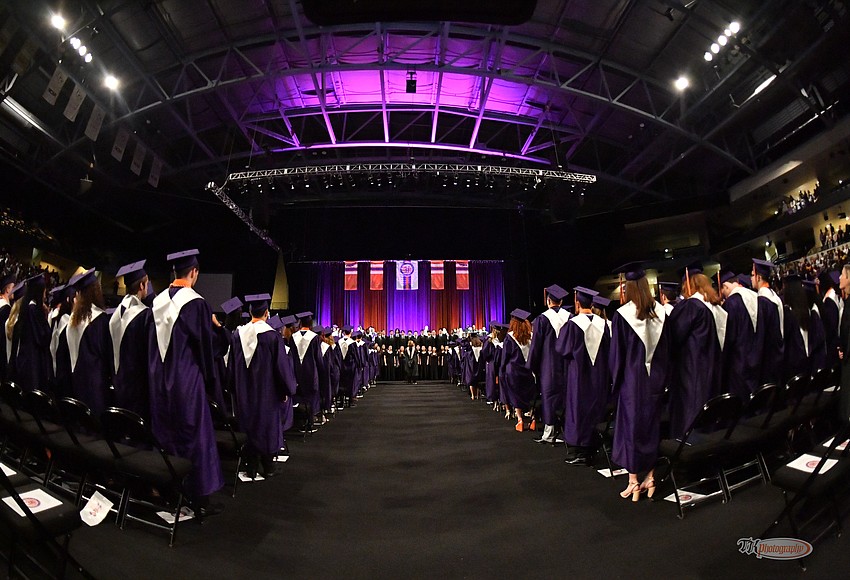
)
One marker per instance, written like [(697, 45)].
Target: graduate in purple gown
[(771, 325), (668, 295), (830, 314), (182, 374), (489, 349), (28, 337), (308, 364), (516, 378), (697, 334), (222, 337), (476, 367), (287, 414), (129, 328), (359, 365), (348, 367), (639, 360), (584, 343), (741, 352), (262, 377), (63, 298), (7, 282), (545, 362), (816, 339), (326, 345), (87, 371), (803, 331)]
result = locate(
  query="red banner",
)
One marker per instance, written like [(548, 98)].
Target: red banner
[(462, 269), (438, 279), (350, 275), (376, 275)]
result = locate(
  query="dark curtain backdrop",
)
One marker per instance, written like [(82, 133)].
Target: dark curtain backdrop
[(389, 308)]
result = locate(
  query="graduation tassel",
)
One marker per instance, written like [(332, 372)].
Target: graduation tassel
[(688, 282), (622, 290), (718, 280)]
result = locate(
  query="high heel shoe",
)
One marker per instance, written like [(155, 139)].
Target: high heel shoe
[(648, 486), (519, 426), (633, 490)]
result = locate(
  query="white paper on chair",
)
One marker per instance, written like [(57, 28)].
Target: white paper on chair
[(685, 497), (607, 472), (839, 447), (7, 470), (829, 389), (96, 509), (186, 513), (37, 500), (243, 476), (282, 458), (807, 463)]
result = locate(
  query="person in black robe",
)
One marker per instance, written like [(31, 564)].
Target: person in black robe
[(424, 363), (844, 346), (830, 313), (6, 285), (409, 360), (129, 328), (771, 325), (308, 364), (517, 380), (182, 376), (29, 364)]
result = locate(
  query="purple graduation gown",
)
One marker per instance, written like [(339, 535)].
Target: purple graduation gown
[(359, 367), (474, 371), (287, 413), (696, 364), (548, 366), (348, 365), (742, 352), (638, 390), (308, 370), (131, 377), (91, 377), (260, 389), (829, 318), (517, 380), (817, 342), (770, 340), (30, 366), (588, 382), (491, 388), (179, 386), (325, 387)]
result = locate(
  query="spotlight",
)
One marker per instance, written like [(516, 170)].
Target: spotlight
[(715, 48), (727, 32), (111, 82), (57, 22), (75, 42), (734, 27), (83, 50), (722, 40), (682, 83), (708, 56), (88, 57), (411, 83)]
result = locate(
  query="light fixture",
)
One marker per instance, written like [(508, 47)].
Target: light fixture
[(57, 22), (767, 243), (715, 48), (83, 50), (722, 40), (411, 83), (708, 56), (735, 27), (727, 32), (682, 83), (75, 42), (111, 82), (88, 57)]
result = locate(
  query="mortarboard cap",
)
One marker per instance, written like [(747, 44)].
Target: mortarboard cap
[(727, 276), (601, 301), (19, 290), (132, 272), (246, 316), (673, 286), (584, 295), (289, 320), (183, 260), (83, 280), (6, 280), (791, 277), (556, 292), (762, 267), (275, 322), (631, 271), (356, 334), (810, 285), (347, 328), (745, 281), (691, 269), (231, 305), (39, 281), (318, 329), (258, 301), (520, 314), (301, 315)]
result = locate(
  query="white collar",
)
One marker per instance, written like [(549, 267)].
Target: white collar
[(557, 318), (74, 335), (522, 348), (118, 323), (593, 328), (720, 317), (771, 295), (302, 339), (165, 312), (648, 330), (248, 334), (751, 303)]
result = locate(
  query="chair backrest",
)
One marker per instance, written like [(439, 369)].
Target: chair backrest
[(795, 389), (10, 393), (221, 421), (77, 418), (721, 412), (42, 408), (763, 402), (125, 427)]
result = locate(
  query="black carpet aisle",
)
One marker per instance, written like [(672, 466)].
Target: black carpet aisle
[(418, 481)]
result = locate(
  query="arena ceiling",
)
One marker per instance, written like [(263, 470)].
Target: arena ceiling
[(207, 88)]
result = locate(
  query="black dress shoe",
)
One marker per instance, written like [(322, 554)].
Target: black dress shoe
[(209, 510), (579, 459), (269, 474)]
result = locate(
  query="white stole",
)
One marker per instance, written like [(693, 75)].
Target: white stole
[(557, 319), (838, 302), (476, 352), (751, 303), (668, 308), (74, 334), (165, 312), (344, 343), (248, 338), (593, 328), (54, 338), (325, 346), (302, 341), (648, 330), (720, 317), (118, 324), (522, 348)]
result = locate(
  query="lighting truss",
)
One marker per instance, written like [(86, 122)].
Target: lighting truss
[(246, 219), (407, 168)]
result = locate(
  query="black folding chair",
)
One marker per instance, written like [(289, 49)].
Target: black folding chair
[(605, 435), (230, 442), (149, 465), (702, 447), (817, 490), (753, 436)]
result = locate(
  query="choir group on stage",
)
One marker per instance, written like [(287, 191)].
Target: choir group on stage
[(166, 356)]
